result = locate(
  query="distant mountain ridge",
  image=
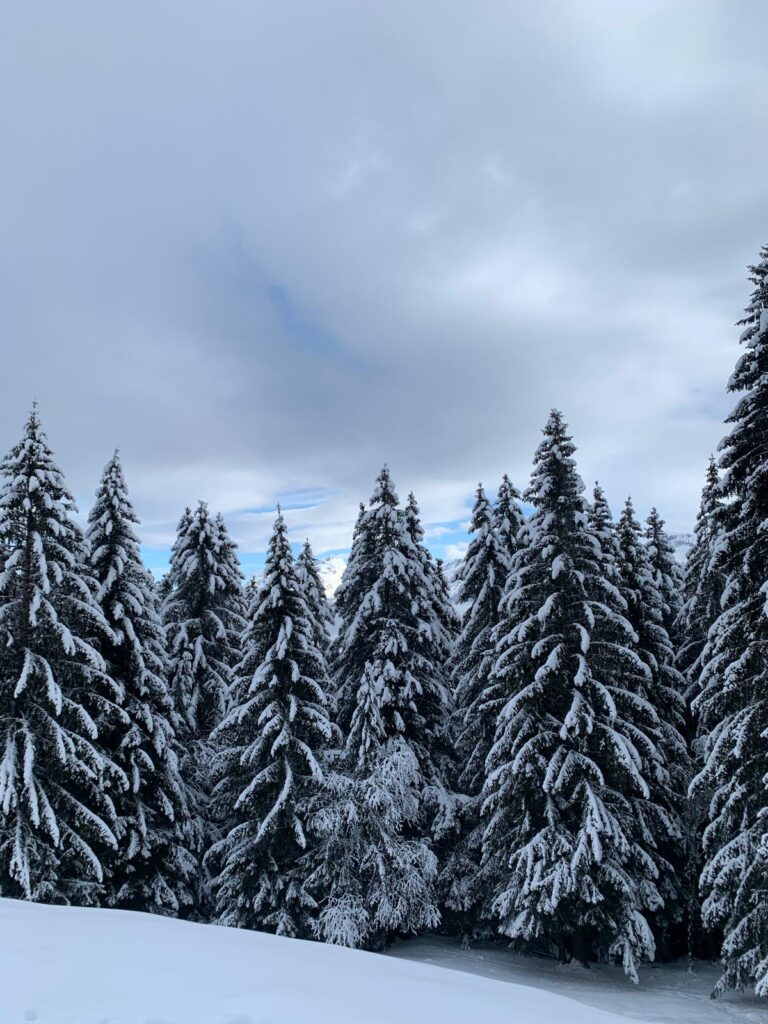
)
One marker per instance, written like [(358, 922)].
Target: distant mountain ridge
[(682, 543)]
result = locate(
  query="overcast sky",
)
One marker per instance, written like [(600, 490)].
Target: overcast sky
[(265, 246)]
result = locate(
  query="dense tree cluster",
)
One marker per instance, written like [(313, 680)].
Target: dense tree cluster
[(572, 752)]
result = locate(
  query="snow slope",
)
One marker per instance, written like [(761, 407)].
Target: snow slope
[(667, 993), (331, 570), (64, 965)]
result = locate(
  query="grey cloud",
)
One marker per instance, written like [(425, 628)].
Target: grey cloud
[(265, 247)]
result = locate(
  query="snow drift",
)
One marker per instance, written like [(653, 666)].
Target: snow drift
[(64, 965)]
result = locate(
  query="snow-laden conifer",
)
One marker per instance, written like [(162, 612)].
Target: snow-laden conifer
[(669, 773), (269, 753), (314, 594), (375, 872), (508, 518), (389, 657), (667, 574), (733, 703), (702, 589), (57, 819), (358, 576), (604, 528), (703, 584), (203, 622), (564, 850), (152, 868), (482, 576), (444, 625)]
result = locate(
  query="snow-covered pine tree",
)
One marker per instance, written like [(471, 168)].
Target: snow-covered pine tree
[(431, 591), (667, 574), (270, 748), (733, 703), (250, 592), (702, 589), (703, 585), (152, 868), (357, 579), (396, 645), (669, 773), (203, 625), (564, 849), (230, 572), (482, 576), (448, 615), (445, 625), (314, 594), (374, 874), (203, 622), (604, 528), (508, 518), (57, 819)]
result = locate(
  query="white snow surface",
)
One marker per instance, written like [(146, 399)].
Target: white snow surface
[(65, 965), (331, 570), (667, 993)]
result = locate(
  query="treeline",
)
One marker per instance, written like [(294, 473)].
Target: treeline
[(577, 762)]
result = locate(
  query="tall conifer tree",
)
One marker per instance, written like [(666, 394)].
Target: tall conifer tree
[(508, 518), (669, 772), (375, 868), (704, 584), (481, 584), (270, 749), (57, 819), (667, 574), (563, 845), (152, 868), (203, 622), (733, 703), (314, 594)]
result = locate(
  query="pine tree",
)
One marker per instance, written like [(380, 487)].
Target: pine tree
[(431, 592), (703, 586), (356, 580), (604, 528), (358, 576), (270, 748), (57, 819), (733, 703), (391, 653), (564, 849), (230, 572), (481, 584), (669, 773), (667, 574), (152, 868), (508, 518), (203, 617), (434, 587), (375, 871), (203, 622), (314, 594)]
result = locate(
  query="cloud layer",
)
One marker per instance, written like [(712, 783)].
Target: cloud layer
[(265, 247)]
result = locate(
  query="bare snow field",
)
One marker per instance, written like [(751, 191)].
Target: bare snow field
[(63, 965), (667, 993)]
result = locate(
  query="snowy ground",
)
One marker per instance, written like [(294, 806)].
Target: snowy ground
[(667, 993), (60, 965)]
